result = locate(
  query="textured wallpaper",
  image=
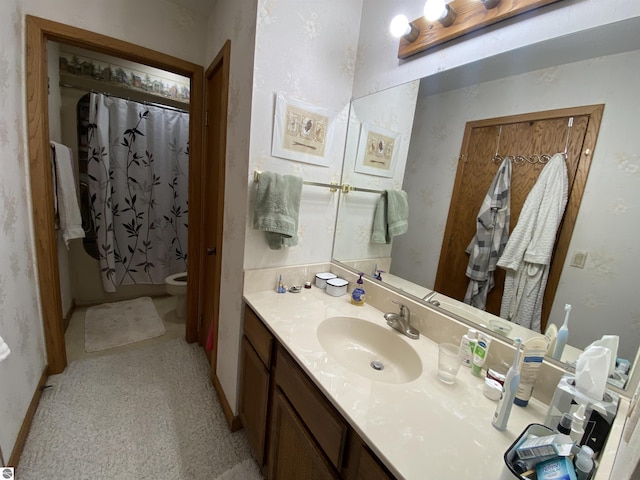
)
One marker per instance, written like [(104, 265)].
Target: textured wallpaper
[(608, 223), (158, 25), (20, 319), (306, 50)]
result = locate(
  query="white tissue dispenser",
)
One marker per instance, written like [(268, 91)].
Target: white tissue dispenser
[(599, 414)]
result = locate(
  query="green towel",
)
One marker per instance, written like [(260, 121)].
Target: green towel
[(391, 217), (276, 208)]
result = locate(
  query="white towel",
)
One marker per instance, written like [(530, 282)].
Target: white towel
[(67, 200)]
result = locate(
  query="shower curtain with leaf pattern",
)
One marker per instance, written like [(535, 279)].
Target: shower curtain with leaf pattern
[(138, 185)]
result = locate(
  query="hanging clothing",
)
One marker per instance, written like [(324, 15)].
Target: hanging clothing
[(527, 256), (138, 184), (492, 232)]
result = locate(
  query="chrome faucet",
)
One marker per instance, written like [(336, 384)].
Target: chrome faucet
[(429, 298), (402, 321)]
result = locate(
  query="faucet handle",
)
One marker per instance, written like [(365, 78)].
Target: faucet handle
[(403, 309)]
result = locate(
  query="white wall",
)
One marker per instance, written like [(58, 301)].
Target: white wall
[(378, 66), (306, 50), (152, 23), (608, 223)]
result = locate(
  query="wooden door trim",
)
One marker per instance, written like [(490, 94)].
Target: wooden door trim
[(594, 112), (38, 32), (222, 62)]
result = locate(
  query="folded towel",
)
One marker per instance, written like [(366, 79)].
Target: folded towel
[(69, 216), (391, 217), (276, 208)]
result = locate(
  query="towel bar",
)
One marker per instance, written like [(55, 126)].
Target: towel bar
[(333, 186)]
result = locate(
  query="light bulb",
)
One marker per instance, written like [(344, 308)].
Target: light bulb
[(399, 26), (434, 10)]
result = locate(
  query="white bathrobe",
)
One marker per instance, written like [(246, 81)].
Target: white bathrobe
[(527, 256)]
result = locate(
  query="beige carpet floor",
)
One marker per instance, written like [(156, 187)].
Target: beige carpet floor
[(121, 323), (150, 413)]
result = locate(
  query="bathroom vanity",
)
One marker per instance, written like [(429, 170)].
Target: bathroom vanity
[(305, 411)]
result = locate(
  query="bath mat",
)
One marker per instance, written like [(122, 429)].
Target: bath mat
[(114, 324)]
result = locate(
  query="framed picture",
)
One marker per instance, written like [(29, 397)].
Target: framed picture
[(377, 151), (302, 132)]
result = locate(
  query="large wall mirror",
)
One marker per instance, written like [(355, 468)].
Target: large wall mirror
[(426, 120)]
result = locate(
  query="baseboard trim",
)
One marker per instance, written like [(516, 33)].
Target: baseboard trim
[(28, 419), (232, 420)]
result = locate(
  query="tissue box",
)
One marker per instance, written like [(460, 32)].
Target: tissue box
[(599, 414)]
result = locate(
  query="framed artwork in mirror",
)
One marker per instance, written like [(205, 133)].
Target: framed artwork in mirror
[(301, 131), (377, 151)]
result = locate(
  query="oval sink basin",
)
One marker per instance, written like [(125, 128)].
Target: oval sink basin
[(370, 350)]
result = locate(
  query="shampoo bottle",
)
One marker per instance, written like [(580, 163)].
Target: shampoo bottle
[(511, 382), (563, 335), (467, 344)]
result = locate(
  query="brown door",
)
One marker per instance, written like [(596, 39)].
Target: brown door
[(216, 98), (525, 135)]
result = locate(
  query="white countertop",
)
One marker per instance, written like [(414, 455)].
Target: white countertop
[(422, 429)]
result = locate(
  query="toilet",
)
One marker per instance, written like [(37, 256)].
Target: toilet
[(176, 285)]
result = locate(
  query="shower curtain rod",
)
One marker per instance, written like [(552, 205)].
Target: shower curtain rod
[(152, 104)]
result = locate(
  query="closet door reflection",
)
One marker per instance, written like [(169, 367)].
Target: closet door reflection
[(529, 140)]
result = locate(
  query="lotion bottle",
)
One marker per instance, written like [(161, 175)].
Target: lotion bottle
[(511, 383), (563, 334), (533, 352), (466, 347)]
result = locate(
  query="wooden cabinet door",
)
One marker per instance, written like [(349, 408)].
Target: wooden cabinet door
[(254, 399), (293, 453), (370, 469)]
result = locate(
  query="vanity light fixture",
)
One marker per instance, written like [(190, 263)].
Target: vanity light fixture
[(400, 27), (439, 10), (444, 20)]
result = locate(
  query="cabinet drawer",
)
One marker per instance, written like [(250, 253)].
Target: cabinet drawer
[(259, 336), (321, 418)]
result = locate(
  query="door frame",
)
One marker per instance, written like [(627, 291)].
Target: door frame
[(38, 32), (218, 152)]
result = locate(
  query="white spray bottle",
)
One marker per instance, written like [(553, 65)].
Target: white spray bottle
[(563, 334), (511, 383)]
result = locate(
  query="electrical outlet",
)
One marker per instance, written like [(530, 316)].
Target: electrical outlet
[(579, 259)]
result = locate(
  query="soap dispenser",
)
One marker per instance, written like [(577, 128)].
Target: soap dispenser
[(357, 296)]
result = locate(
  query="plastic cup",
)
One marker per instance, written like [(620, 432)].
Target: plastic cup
[(448, 362)]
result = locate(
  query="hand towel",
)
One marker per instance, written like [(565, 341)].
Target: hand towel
[(391, 217), (67, 200), (276, 208)]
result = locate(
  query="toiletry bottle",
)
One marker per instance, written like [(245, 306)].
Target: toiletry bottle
[(584, 463), (357, 296), (533, 352), (466, 347), (577, 425), (563, 335), (480, 350), (511, 382), (564, 427)]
